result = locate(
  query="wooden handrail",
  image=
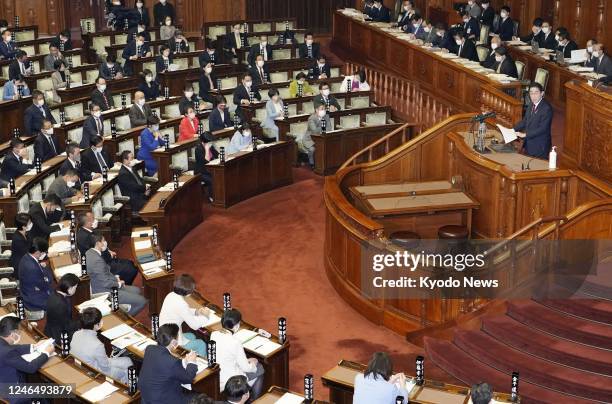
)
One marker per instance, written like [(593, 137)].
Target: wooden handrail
[(353, 159)]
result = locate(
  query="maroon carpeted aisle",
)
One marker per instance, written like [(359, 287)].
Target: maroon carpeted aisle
[(268, 253)]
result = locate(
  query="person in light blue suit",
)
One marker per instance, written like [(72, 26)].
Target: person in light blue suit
[(11, 89), (377, 384), (274, 109)]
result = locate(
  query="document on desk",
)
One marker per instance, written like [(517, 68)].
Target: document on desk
[(101, 303), (128, 339), (245, 335), (100, 392), (261, 345), (68, 269), (290, 398), (65, 231), (212, 319), (61, 246), (142, 345), (118, 331), (153, 271), (153, 264), (508, 133), (29, 357), (142, 245)]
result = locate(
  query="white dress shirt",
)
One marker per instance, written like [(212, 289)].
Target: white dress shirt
[(231, 357), (175, 310)]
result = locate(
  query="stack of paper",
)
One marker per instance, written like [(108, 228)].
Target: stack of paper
[(261, 345), (142, 245), (125, 341), (118, 331), (508, 133), (65, 231), (100, 392), (68, 269), (101, 303), (212, 319), (61, 246), (245, 335), (142, 345), (153, 264), (290, 398)]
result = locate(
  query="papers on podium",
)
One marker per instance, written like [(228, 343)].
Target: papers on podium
[(508, 133)]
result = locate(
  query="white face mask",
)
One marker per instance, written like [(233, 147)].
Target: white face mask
[(325, 92), (557, 38), (17, 339), (140, 29), (264, 43), (498, 58), (97, 114), (590, 49), (321, 113), (139, 43), (168, 23), (248, 84), (49, 131), (102, 88), (321, 65), (427, 29), (246, 133), (162, 1), (504, 15), (459, 42), (188, 94), (208, 70), (494, 46), (260, 63), (104, 246), (440, 34), (94, 224), (139, 5), (406, 8), (41, 103), (596, 54), (70, 184), (309, 42), (72, 290), (148, 79), (29, 226), (546, 30), (98, 149), (42, 256), (485, 6), (141, 102)]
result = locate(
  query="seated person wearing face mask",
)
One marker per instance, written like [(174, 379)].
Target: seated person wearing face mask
[(101, 96), (35, 279), (219, 117), (140, 111), (260, 72), (35, 115), (103, 281), (188, 100), (309, 49), (11, 89), (241, 140), (92, 126), (12, 366), (15, 163), (140, 29), (44, 216), (63, 187), (46, 145), (134, 50), (150, 139), (20, 244), (123, 268), (208, 83), (231, 356), (96, 159), (149, 86), (210, 56), (505, 64), (490, 62), (325, 98), (315, 127), (205, 152), (162, 374), (131, 183), (262, 48), (443, 39), (87, 347), (164, 60), (188, 128), (465, 47), (242, 94), (59, 308), (300, 87), (321, 69), (111, 69)]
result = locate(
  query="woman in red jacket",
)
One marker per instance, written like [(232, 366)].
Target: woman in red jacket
[(188, 129)]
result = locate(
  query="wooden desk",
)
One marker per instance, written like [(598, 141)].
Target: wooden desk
[(217, 28), (341, 383), (444, 78), (275, 393), (276, 363), (126, 84), (247, 174), (175, 80), (164, 158), (156, 285), (175, 212), (397, 208), (335, 147), (58, 262), (10, 204), (11, 117), (32, 80)]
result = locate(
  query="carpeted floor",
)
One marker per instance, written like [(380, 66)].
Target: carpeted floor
[(268, 253)]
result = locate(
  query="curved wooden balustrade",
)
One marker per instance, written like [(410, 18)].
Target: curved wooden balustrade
[(509, 109), (513, 203), (409, 101)]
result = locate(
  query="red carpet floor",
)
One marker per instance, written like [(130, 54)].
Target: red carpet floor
[(268, 253)]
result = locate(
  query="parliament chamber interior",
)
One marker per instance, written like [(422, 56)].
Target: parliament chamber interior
[(305, 201)]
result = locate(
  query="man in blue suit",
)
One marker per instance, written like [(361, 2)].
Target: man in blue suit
[(471, 28), (15, 164), (36, 114), (35, 279), (12, 366), (7, 46), (535, 127), (134, 50), (219, 117), (162, 374), (380, 13)]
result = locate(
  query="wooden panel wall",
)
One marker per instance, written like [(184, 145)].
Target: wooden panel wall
[(585, 19), (312, 14)]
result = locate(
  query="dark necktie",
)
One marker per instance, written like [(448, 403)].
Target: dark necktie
[(101, 161), (42, 111), (135, 177), (105, 100), (98, 125), (52, 145)]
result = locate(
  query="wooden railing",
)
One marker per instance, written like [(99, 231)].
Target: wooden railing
[(509, 109), (409, 102), (381, 147)]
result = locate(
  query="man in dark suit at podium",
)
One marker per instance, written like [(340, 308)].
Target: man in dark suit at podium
[(535, 127)]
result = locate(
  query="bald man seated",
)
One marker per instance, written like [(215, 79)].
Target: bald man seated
[(140, 110)]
